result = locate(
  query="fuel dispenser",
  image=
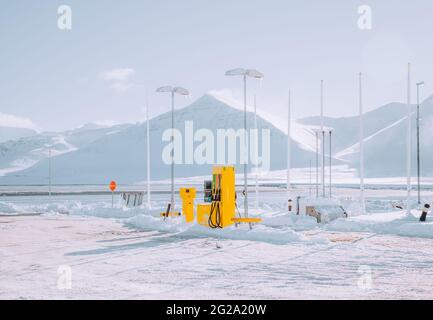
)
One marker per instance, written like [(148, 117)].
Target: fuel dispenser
[(223, 206), (219, 209)]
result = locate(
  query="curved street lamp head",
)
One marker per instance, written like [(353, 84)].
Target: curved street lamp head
[(253, 73), (165, 89), (178, 90), (181, 91), (420, 83), (236, 72)]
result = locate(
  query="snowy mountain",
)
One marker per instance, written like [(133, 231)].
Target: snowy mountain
[(9, 133), (97, 153), (385, 131), (13, 127), (19, 154), (120, 154), (346, 129)]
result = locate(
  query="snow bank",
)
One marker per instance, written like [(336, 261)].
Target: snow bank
[(397, 223), (7, 208), (96, 209), (277, 227), (182, 229), (21, 208), (149, 222), (293, 221), (258, 233), (105, 210)]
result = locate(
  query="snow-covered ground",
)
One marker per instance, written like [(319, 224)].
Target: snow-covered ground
[(131, 253)]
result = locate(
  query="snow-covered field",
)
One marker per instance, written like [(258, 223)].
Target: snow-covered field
[(79, 247)]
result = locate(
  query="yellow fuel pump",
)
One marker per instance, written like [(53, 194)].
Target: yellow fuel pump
[(221, 211), (223, 206), (188, 195)]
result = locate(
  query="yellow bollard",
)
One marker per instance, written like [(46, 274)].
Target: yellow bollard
[(188, 195)]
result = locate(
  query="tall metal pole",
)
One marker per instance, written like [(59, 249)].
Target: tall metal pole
[(323, 163), (288, 145), (49, 173), (323, 138), (330, 163), (148, 152), (417, 144), (317, 163), (408, 143), (256, 155), (245, 150), (361, 147), (309, 186), (172, 155)]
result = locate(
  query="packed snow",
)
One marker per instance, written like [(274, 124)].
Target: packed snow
[(120, 252), (278, 225)]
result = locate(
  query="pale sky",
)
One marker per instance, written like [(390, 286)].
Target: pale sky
[(116, 50)]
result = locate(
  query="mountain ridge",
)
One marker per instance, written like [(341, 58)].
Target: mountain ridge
[(93, 153)]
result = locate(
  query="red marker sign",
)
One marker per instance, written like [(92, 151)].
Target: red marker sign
[(113, 186)]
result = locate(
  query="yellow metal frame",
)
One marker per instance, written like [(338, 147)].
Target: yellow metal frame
[(247, 220)]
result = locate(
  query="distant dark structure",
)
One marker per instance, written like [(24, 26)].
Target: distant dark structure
[(424, 213)]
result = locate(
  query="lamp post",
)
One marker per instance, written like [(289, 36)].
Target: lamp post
[(322, 129), (289, 119), (330, 163), (256, 155), (309, 188), (323, 165), (408, 145), (148, 152), (257, 75), (361, 146), (417, 140), (49, 173), (317, 163), (172, 91)]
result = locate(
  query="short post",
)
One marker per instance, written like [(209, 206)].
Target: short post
[(113, 186), (49, 173), (423, 216)]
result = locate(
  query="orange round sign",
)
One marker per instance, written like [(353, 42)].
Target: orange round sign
[(113, 185)]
